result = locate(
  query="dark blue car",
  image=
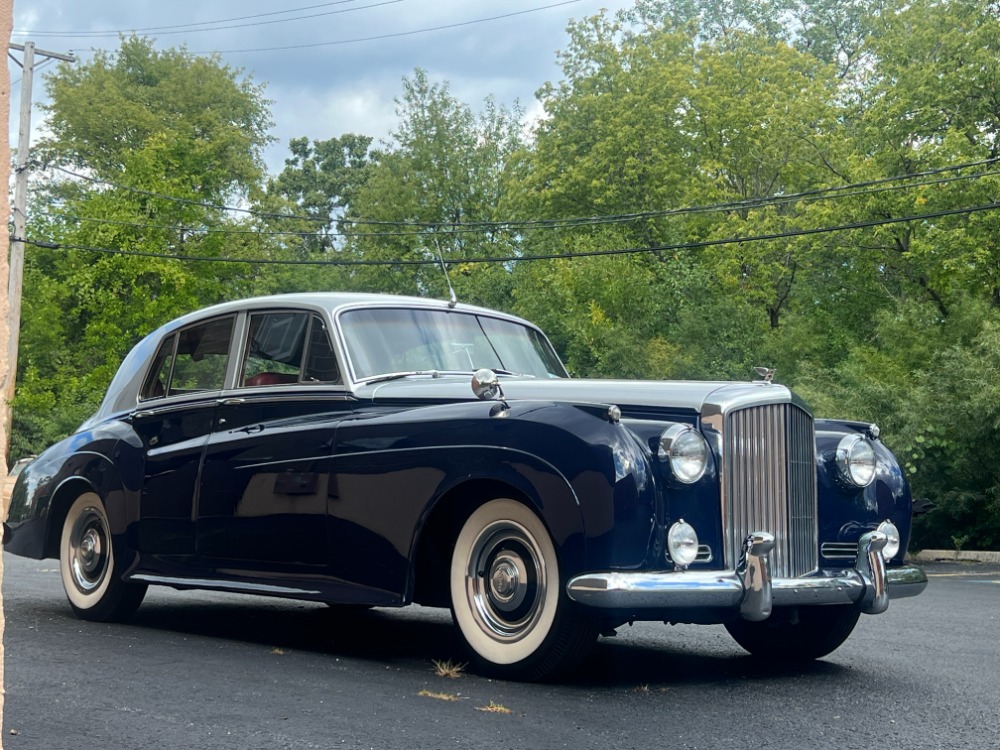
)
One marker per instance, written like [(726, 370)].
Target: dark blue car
[(378, 451)]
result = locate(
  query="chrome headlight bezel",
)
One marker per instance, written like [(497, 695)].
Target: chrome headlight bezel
[(856, 461), (687, 452)]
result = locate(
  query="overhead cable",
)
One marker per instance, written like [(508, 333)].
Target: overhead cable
[(700, 244), (478, 226)]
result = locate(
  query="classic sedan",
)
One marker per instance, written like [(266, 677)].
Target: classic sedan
[(373, 450)]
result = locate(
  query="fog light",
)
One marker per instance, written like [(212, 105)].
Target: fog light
[(892, 534), (682, 543)]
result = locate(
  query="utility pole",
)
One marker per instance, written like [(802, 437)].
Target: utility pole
[(20, 216), (6, 26)]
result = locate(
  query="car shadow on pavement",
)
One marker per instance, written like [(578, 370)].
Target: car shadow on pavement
[(413, 637)]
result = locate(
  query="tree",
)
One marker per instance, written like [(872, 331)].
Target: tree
[(435, 192), (160, 141)]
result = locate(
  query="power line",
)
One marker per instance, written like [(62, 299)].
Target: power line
[(270, 22), (474, 228), (842, 191), (387, 36), (166, 29), (701, 244), (187, 201)]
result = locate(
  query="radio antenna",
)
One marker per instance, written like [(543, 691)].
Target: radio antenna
[(444, 269)]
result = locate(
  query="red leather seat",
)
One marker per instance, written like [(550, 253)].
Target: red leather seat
[(271, 378)]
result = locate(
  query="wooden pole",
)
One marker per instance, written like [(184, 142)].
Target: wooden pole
[(6, 26)]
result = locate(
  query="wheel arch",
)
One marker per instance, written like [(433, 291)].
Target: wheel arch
[(431, 557), (90, 472), (62, 499)]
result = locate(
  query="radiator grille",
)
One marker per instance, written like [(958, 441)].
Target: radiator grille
[(770, 485)]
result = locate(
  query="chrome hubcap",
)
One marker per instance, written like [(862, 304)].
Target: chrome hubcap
[(506, 580), (88, 551)]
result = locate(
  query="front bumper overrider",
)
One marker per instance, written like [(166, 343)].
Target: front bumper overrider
[(749, 589)]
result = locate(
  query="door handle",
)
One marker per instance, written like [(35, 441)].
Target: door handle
[(232, 401), (250, 429)]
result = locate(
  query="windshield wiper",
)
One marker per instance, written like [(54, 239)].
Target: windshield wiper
[(436, 374), (411, 373)]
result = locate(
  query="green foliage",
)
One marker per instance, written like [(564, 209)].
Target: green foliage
[(141, 125), (432, 194), (679, 124)]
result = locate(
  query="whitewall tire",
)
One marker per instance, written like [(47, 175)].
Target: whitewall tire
[(507, 595), (90, 574)]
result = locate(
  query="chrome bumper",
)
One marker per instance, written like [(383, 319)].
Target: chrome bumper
[(750, 589)]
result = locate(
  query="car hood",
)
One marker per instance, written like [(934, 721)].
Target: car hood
[(627, 394)]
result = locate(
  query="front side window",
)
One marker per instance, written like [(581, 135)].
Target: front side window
[(288, 348)]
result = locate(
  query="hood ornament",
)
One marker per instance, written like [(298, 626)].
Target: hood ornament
[(766, 374)]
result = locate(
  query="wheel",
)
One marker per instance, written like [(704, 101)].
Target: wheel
[(814, 633), (508, 600), (90, 574)]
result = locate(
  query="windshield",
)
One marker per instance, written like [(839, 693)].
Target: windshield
[(383, 341)]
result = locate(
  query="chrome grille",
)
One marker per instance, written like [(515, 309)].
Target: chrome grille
[(770, 485), (839, 550)]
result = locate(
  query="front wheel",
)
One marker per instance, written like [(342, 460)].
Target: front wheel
[(91, 575), (811, 633), (507, 596)]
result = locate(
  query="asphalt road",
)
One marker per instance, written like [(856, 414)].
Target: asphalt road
[(202, 670)]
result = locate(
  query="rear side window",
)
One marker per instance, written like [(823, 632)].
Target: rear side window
[(191, 361)]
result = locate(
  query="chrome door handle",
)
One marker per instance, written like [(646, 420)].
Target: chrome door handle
[(232, 401)]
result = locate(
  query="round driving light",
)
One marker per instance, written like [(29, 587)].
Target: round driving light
[(856, 460), (892, 534), (686, 450), (682, 543)]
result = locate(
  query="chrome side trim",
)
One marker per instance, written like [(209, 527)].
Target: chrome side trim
[(208, 583)]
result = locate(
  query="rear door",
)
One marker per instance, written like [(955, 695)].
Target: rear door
[(174, 418)]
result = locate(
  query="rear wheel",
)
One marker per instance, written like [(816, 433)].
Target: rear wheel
[(90, 573), (507, 596), (814, 632)]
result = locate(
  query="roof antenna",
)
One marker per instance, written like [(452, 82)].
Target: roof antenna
[(444, 269)]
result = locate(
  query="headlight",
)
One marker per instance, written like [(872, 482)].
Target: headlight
[(856, 460), (686, 450), (892, 545), (682, 543)]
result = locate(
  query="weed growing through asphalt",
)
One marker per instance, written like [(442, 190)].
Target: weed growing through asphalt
[(448, 668), (494, 708), (438, 696)]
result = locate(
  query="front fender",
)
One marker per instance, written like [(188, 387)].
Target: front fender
[(584, 476), (845, 513), (48, 486)]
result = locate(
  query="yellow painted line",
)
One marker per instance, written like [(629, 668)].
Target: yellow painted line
[(960, 575)]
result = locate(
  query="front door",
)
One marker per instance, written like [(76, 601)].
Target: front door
[(263, 490)]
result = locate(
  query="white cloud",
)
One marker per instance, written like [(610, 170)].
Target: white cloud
[(324, 91)]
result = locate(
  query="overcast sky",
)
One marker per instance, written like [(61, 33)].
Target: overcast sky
[(324, 72)]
